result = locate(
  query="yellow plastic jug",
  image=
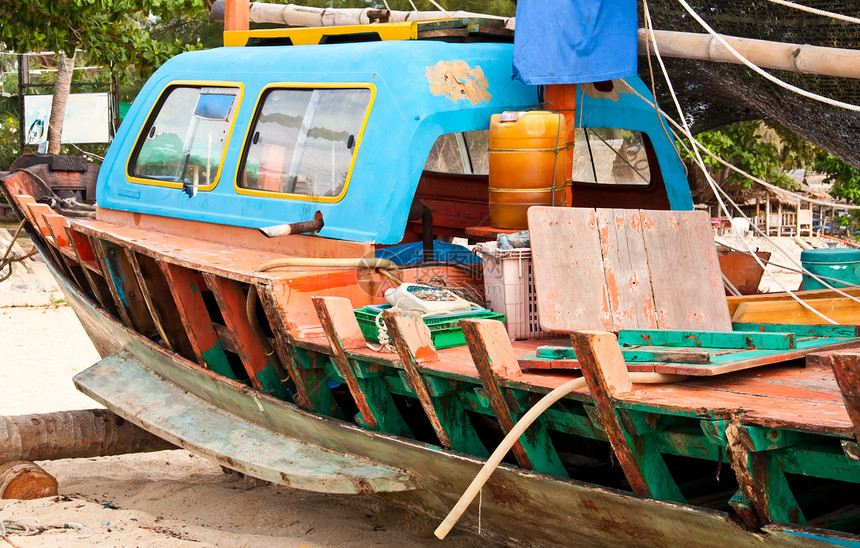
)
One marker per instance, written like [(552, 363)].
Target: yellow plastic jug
[(527, 165)]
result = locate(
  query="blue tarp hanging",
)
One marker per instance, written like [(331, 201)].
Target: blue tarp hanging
[(575, 41)]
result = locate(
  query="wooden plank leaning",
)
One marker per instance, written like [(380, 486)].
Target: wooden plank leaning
[(494, 357), (375, 405), (445, 412)]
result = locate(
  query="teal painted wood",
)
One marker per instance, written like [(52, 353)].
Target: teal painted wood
[(190, 422), (707, 339), (312, 371), (536, 440), (800, 330)]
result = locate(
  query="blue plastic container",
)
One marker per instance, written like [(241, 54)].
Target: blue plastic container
[(841, 264)]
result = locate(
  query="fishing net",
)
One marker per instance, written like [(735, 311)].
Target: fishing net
[(713, 94)]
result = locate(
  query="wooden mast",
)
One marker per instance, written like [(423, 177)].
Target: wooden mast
[(237, 15)]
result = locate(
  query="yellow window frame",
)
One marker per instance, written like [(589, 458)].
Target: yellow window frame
[(358, 140), (188, 83)]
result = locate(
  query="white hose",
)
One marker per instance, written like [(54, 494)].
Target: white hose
[(536, 411), (361, 262)]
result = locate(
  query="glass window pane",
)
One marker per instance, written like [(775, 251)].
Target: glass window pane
[(303, 141), (610, 156), (185, 141), (445, 155)]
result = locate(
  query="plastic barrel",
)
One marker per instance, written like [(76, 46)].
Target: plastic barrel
[(527, 165), (842, 264)]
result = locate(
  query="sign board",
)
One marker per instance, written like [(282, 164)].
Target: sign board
[(87, 118)]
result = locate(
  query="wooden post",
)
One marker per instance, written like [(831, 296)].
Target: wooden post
[(445, 412), (236, 14), (494, 358), (376, 407), (606, 375), (562, 98)]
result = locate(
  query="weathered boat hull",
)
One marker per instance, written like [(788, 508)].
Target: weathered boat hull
[(515, 504)]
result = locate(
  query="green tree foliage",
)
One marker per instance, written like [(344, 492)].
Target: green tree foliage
[(844, 178), (111, 31), (766, 150)]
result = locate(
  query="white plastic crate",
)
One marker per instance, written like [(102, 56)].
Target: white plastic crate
[(510, 289)]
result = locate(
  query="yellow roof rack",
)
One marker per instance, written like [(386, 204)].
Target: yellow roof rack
[(458, 30)]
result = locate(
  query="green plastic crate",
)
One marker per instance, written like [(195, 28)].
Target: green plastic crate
[(444, 329)]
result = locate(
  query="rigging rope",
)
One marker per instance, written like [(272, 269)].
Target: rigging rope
[(754, 67), (701, 164), (816, 11)]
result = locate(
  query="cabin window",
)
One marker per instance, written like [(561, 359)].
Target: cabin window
[(303, 141), (610, 156), (183, 142), (466, 152)]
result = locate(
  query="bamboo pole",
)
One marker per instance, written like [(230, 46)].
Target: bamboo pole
[(303, 16), (802, 58)]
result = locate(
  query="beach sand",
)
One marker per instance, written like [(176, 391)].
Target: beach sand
[(167, 498)]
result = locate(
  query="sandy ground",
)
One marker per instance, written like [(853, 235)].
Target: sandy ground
[(168, 498)]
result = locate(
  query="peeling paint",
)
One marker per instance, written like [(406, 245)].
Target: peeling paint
[(456, 80)]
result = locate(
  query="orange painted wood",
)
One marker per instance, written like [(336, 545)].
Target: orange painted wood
[(83, 249), (494, 357), (734, 302), (564, 241), (342, 331), (606, 375), (414, 346), (628, 285), (57, 225), (685, 272), (23, 200), (37, 211), (839, 309), (231, 301), (294, 245), (562, 98), (186, 291)]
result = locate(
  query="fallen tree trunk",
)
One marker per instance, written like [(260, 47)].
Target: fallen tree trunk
[(73, 434), (25, 481)]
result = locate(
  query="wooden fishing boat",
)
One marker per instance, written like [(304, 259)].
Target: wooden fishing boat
[(241, 209)]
